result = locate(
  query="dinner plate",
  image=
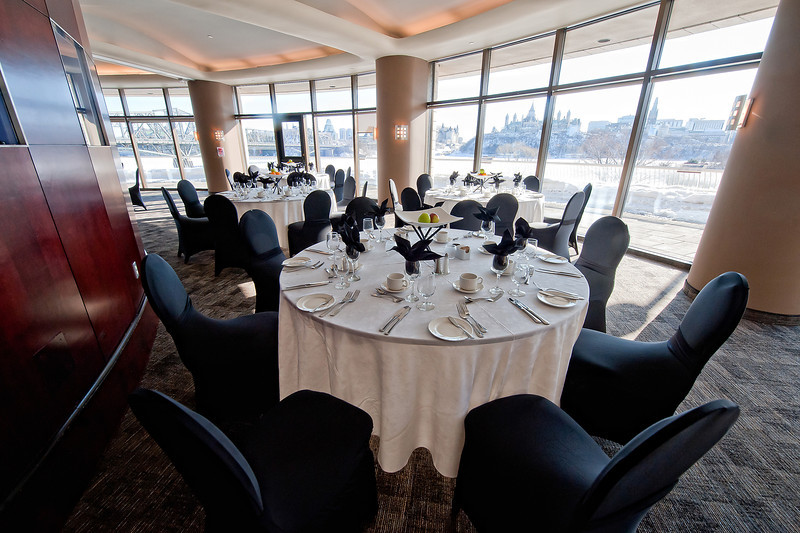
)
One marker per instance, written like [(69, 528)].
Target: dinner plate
[(442, 328), (393, 291), (552, 258), (318, 302), (457, 286), (296, 261), (555, 301)]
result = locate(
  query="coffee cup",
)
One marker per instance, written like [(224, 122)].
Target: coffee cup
[(396, 281), (442, 236), (469, 281)]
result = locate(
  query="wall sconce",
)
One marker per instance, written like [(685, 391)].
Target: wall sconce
[(219, 135), (401, 132)]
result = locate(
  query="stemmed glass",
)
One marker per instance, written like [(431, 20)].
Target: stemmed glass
[(333, 241), (338, 259), (519, 277), (530, 250), (379, 223), (369, 227), (487, 228), (499, 265), (352, 258), (412, 271), (426, 286)]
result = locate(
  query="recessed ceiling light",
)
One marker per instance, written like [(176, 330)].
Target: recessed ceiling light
[(331, 86), (471, 42), (604, 40), (210, 36)]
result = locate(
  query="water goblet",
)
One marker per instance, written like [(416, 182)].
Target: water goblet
[(369, 227), (380, 222), (426, 286), (352, 259), (412, 271), (499, 265), (533, 244), (487, 228), (338, 259), (519, 277), (332, 241)]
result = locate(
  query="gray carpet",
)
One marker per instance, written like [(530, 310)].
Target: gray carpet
[(746, 483)]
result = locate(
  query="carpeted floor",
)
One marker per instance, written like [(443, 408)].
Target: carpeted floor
[(749, 482)]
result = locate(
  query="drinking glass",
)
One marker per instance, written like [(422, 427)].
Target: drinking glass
[(519, 277), (412, 271), (352, 258), (369, 228), (530, 250), (338, 258), (487, 227), (499, 265), (332, 241), (379, 223), (426, 286)]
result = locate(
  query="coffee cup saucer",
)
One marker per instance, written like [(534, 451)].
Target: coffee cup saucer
[(457, 286)]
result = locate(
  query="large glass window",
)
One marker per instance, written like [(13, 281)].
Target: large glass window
[(293, 97), (126, 155), (367, 153), (156, 153), (366, 91), (113, 102), (180, 102), (453, 141), (521, 66), (145, 102), (333, 94), (254, 100), (458, 78), (512, 131), (189, 147), (259, 135), (335, 136)]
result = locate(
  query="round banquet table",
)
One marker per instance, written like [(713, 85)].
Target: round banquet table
[(416, 387), (283, 209), (531, 204)]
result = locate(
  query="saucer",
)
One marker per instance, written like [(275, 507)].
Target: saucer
[(296, 261), (393, 291), (457, 286), (442, 328), (555, 301)]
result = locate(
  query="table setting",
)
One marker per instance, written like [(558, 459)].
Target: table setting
[(531, 204)]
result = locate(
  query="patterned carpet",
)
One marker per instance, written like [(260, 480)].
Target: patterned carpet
[(746, 483)]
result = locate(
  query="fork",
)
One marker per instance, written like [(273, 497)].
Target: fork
[(385, 294), (470, 299), (463, 312), (312, 267), (349, 301), (341, 302)]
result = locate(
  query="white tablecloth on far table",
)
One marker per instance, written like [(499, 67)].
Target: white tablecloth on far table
[(283, 210), (531, 204), (416, 387)]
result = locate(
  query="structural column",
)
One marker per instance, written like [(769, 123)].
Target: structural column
[(217, 130), (754, 224), (402, 98)]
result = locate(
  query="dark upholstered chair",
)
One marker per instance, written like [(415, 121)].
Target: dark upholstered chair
[(604, 247), (348, 192), (617, 387), (527, 466), (304, 466), (234, 363), (554, 236), (229, 248), (573, 237), (424, 184), (507, 207), (266, 257), (191, 203), (410, 200), (136, 193), (330, 170), (315, 224), (254, 171), (228, 177), (338, 185), (194, 234), (364, 188), (467, 210), (361, 208), (295, 179), (531, 183)]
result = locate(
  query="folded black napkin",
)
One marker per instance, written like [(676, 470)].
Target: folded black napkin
[(487, 214), (348, 231), (418, 252), (453, 178), (497, 179), (517, 179), (507, 245), (522, 229)]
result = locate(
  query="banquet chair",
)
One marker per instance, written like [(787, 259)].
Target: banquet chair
[(191, 203), (526, 463), (229, 248), (507, 207), (424, 184), (604, 247), (254, 171), (410, 200), (136, 193), (266, 258), (531, 183), (573, 236), (338, 185), (330, 170), (309, 178), (361, 208), (364, 188), (349, 173), (234, 362), (304, 466), (615, 387), (241, 178), (315, 224), (554, 236), (396, 206), (348, 192), (295, 179), (466, 209), (194, 234)]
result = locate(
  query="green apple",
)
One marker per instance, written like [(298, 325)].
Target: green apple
[(424, 218)]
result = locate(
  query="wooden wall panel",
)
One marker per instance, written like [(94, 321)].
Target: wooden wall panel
[(49, 353), (35, 76), (74, 198)]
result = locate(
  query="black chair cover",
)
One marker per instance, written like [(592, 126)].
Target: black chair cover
[(467, 210), (424, 183), (136, 193), (573, 237), (348, 192), (604, 247), (555, 236), (229, 247), (295, 179), (265, 257), (361, 208), (228, 177), (254, 171), (330, 170), (338, 185), (616, 387), (364, 188), (507, 211), (410, 200), (191, 203), (532, 183), (305, 466), (526, 465), (194, 234), (316, 224)]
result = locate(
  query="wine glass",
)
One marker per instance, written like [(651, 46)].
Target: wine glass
[(519, 277), (499, 265), (333, 241), (338, 259), (530, 250), (369, 227), (412, 271), (426, 286), (379, 223), (352, 258), (487, 228)]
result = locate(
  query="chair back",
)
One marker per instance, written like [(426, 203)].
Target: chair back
[(531, 183), (330, 170), (710, 320), (410, 200), (364, 188), (135, 193), (573, 237), (361, 208), (173, 209), (507, 207), (164, 291), (241, 178), (191, 202), (228, 177), (223, 216), (348, 173), (317, 207), (349, 191), (649, 466), (212, 465), (254, 171), (294, 179), (604, 247), (424, 184), (466, 209), (393, 195), (259, 233), (338, 185)]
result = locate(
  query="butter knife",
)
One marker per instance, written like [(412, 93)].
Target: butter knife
[(394, 317), (561, 294), (528, 311), (459, 326), (306, 285), (406, 309), (558, 273)]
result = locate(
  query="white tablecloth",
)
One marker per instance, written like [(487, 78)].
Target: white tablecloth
[(531, 204), (283, 210), (416, 387)]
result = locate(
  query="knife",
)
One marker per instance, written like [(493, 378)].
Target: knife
[(394, 317), (558, 272), (561, 294), (528, 311), (406, 309), (459, 326), (306, 285), (323, 252)]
